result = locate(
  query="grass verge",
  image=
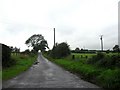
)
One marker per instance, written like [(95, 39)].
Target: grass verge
[(104, 77), (23, 62)]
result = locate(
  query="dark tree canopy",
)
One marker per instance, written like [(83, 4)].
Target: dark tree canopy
[(14, 50), (77, 50), (38, 42), (60, 50), (116, 48)]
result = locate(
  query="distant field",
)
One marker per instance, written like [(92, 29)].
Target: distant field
[(83, 54), (89, 54)]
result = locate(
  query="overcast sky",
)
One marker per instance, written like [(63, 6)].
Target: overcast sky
[(77, 22)]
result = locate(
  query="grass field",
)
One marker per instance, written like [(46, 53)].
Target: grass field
[(83, 54), (23, 62), (89, 54)]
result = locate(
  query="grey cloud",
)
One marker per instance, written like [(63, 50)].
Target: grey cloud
[(111, 33), (65, 30)]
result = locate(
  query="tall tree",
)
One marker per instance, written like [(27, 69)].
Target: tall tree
[(61, 50), (38, 42), (116, 48), (77, 50)]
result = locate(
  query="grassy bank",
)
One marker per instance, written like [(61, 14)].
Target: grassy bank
[(108, 78), (23, 62)]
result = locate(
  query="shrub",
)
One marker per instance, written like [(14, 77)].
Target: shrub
[(100, 55), (116, 60), (110, 79), (60, 50), (105, 60), (89, 72), (96, 58), (92, 60)]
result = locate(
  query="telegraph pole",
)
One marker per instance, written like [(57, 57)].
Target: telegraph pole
[(54, 36), (101, 42)]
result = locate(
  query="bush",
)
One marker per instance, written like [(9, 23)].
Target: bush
[(6, 56), (110, 79), (60, 50), (116, 60), (105, 60), (96, 58), (100, 55)]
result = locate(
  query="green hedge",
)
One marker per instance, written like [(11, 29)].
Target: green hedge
[(6, 56), (104, 60)]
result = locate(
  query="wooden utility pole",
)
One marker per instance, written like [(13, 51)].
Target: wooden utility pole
[(101, 42), (119, 27), (54, 36)]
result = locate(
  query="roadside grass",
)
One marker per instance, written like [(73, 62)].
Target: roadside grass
[(110, 79), (86, 71), (107, 78), (23, 62)]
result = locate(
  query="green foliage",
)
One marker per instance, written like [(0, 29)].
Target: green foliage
[(38, 42), (116, 60), (14, 49), (89, 72), (6, 57), (102, 60), (83, 54), (60, 50), (96, 58), (102, 76), (108, 51), (23, 62), (27, 51), (110, 79)]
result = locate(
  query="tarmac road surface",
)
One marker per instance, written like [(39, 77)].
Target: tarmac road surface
[(45, 74)]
